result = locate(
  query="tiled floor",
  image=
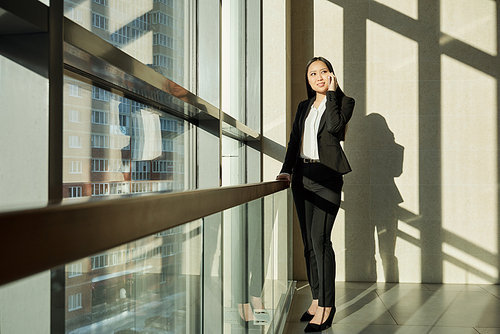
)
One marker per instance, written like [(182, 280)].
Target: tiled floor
[(388, 308)]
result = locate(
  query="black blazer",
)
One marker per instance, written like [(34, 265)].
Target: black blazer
[(331, 131)]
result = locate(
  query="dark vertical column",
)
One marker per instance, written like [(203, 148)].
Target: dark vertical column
[(302, 49), (55, 99), (429, 101), (56, 149)]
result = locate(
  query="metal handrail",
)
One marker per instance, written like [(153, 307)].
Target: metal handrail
[(36, 240)]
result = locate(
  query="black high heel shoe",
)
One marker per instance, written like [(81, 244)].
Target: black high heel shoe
[(306, 316), (321, 327)]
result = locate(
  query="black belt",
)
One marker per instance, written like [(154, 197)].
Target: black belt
[(310, 161)]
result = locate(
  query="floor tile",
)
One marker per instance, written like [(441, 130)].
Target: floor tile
[(356, 285), (380, 308), (387, 329), (452, 330), (491, 288), (376, 329), (417, 307), (474, 309), (401, 286), (488, 330), (453, 287), (361, 307)]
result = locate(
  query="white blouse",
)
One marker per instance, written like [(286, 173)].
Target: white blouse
[(309, 140)]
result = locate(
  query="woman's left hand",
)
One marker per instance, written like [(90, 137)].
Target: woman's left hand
[(284, 177), (332, 82)]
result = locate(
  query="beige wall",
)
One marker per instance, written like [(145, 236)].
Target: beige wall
[(422, 202)]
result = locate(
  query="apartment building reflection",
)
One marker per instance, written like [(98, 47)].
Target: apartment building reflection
[(116, 146)]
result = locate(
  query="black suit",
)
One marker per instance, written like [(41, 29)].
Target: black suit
[(339, 108), (317, 189)]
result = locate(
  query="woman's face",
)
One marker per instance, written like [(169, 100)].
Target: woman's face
[(317, 75)]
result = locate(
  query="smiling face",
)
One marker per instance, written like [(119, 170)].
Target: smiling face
[(317, 76)]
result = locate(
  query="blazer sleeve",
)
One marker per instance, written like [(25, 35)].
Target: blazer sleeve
[(293, 147), (339, 109)]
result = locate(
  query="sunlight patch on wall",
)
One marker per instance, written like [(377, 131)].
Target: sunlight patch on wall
[(408, 7), (409, 252), (460, 266), (470, 21), (469, 156), (392, 91), (339, 243), (332, 48), (410, 231)]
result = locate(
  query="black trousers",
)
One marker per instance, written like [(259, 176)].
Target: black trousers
[(317, 196)]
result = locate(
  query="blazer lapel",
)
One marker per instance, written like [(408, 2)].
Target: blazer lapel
[(306, 113), (322, 122)]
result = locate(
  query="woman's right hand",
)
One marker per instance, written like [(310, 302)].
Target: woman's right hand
[(284, 177), (332, 82)]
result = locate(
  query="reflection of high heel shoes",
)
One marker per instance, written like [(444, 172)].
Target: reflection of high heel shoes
[(306, 316), (320, 327)]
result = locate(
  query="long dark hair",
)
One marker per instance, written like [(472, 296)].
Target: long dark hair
[(310, 92)]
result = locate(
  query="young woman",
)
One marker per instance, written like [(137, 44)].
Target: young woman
[(314, 163)]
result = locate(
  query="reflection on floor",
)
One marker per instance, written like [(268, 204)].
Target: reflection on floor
[(404, 308)]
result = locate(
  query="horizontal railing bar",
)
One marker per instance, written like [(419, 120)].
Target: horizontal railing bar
[(36, 240)]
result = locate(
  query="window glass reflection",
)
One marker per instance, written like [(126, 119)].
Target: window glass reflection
[(152, 31), (114, 145), (139, 287)]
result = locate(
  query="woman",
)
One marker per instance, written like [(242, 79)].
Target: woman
[(317, 162)]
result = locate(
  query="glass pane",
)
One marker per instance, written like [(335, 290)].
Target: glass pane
[(226, 273), (233, 162), (234, 59), (254, 267), (241, 59), (114, 145), (155, 32), (147, 286), (208, 51)]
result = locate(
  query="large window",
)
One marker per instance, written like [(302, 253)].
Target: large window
[(100, 189), (100, 117), (74, 116), (100, 141), (164, 138), (74, 141), (75, 167), (74, 90), (75, 302), (74, 269), (100, 21), (127, 131), (100, 261), (100, 94), (100, 165), (74, 192)]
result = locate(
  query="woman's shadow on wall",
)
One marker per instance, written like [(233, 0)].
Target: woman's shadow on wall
[(374, 230)]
